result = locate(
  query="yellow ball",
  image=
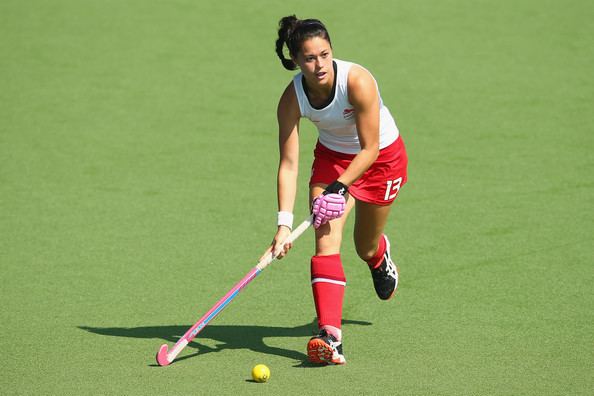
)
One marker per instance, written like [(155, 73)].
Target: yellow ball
[(260, 373)]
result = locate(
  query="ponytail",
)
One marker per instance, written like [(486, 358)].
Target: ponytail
[(286, 26), (293, 32)]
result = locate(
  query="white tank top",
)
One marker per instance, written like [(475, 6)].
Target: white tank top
[(336, 121)]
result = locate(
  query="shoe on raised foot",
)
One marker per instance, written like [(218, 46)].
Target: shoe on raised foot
[(385, 275), (325, 349)]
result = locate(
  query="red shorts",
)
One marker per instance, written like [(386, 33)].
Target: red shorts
[(379, 185)]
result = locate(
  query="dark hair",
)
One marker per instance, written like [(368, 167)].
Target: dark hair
[(293, 32)]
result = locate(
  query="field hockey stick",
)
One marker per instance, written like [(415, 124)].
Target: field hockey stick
[(166, 356)]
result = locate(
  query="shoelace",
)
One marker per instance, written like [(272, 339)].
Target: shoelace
[(391, 268)]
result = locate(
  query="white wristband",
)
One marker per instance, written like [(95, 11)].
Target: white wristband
[(285, 219)]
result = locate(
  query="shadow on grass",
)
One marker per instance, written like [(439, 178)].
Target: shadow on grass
[(227, 337)]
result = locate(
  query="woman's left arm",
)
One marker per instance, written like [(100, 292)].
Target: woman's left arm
[(364, 97)]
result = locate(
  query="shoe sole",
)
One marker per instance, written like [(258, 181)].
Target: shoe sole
[(320, 352)]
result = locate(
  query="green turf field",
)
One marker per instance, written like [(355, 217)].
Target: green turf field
[(137, 185)]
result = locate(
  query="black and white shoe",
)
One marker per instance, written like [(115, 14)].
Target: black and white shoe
[(385, 276), (325, 349)]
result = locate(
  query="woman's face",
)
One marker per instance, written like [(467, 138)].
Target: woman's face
[(315, 61)]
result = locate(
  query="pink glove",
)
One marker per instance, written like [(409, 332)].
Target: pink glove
[(327, 207)]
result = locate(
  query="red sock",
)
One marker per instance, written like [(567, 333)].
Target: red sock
[(376, 260), (327, 283)]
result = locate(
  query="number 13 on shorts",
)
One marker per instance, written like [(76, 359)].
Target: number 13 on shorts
[(392, 188)]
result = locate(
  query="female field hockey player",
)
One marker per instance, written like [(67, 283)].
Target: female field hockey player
[(359, 161)]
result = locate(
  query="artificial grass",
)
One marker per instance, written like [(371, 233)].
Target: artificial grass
[(138, 151)]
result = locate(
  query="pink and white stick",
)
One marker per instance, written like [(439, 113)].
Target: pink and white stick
[(166, 356)]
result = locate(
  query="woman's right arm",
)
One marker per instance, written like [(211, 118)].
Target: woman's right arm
[(288, 115)]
